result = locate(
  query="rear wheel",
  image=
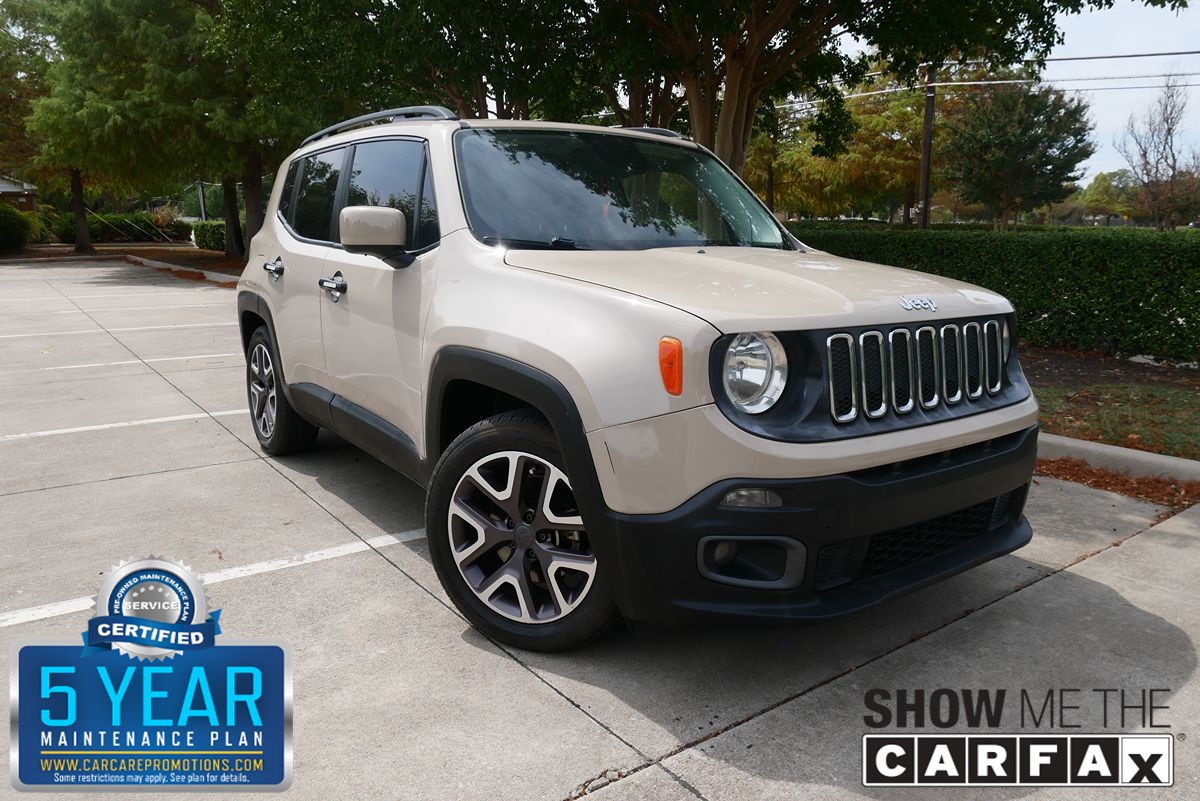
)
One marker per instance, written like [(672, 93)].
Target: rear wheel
[(279, 428), (508, 541)]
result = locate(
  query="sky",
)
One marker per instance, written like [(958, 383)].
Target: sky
[(1127, 27)]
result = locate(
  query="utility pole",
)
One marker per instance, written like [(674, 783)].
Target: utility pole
[(927, 146), (200, 192)]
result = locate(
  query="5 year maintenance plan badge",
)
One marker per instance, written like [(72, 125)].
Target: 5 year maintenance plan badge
[(149, 700)]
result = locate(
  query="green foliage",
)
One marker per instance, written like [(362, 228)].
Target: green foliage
[(132, 227), (1128, 291), (16, 229), (1110, 194), (1018, 148), (210, 234)]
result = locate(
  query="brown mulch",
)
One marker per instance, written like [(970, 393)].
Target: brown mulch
[(211, 260), (1176, 495), (1077, 368)]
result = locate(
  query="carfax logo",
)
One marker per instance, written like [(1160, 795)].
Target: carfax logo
[(987, 758), (151, 701)]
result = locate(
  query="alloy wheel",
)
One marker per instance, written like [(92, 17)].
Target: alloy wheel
[(518, 539), (262, 390)]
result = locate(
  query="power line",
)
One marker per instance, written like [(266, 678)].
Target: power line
[(1126, 55)]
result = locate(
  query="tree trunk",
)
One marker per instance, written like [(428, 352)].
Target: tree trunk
[(252, 170), (83, 237), (770, 188), (233, 224)]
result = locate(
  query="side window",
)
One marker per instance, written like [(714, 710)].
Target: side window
[(313, 215), (285, 196), (388, 173)]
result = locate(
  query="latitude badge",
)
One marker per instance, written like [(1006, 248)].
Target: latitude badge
[(150, 609)]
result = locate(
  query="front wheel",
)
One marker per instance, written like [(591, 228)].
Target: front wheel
[(507, 539)]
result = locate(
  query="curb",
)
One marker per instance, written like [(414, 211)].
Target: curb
[(162, 265), (1122, 460)]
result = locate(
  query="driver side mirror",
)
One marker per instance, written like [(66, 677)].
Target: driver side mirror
[(375, 231)]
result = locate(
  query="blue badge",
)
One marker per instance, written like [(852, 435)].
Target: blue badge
[(152, 701)]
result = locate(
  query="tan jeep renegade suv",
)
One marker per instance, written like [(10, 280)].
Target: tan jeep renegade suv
[(625, 386)]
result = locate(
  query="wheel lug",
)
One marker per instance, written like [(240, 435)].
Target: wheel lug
[(529, 516), (542, 536)]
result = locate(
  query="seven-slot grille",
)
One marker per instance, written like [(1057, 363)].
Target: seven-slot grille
[(897, 370)]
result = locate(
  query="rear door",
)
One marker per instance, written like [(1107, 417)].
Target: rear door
[(304, 238), (372, 332)]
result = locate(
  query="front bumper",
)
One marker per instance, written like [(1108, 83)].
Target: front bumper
[(860, 538)]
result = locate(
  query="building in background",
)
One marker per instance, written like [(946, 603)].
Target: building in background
[(17, 193)]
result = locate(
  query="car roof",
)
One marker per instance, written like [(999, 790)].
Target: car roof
[(402, 126)]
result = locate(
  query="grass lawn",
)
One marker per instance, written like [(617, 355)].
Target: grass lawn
[(1159, 417)]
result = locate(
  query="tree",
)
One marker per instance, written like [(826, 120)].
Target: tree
[(1168, 178), (1110, 194), (731, 52), (1017, 148)]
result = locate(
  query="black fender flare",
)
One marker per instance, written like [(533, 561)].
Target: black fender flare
[(546, 394)]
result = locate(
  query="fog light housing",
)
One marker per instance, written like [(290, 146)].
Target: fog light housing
[(752, 498)]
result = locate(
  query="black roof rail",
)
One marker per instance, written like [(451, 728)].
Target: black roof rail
[(658, 131), (411, 112)]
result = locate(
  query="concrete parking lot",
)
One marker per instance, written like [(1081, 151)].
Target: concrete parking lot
[(123, 432)]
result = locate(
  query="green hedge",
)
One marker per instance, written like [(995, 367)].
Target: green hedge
[(16, 229), (1124, 291), (210, 234)]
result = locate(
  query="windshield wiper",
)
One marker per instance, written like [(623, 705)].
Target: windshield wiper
[(555, 243)]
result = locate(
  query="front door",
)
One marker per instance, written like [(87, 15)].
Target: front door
[(372, 330)]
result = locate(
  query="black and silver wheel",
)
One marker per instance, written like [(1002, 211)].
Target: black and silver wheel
[(279, 428), (508, 540), (263, 401)]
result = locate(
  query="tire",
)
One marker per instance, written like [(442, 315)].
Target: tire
[(279, 428), (518, 567)]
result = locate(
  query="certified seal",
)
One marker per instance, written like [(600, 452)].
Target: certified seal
[(151, 608)]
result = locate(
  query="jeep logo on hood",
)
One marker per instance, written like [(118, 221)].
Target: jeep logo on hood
[(912, 304)]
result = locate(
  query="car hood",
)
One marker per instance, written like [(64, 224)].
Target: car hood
[(756, 289)]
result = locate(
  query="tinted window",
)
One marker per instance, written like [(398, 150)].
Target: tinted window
[(318, 190), (604, 191), (285, 197), (388, 173)]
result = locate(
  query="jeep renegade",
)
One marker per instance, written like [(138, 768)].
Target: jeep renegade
[(627, 389)]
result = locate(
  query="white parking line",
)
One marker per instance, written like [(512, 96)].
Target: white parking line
[(117, 295), (143, 308), (102, 426), (34, 613), (126, 361), (116, 330)]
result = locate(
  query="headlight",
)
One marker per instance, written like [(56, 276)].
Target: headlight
[(755, 371)]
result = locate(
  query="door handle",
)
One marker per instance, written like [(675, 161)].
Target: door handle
[(275, 268), (336, 286)]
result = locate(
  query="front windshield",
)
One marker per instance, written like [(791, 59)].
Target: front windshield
[(598, 191)]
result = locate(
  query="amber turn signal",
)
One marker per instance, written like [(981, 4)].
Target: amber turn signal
[(670, 364)]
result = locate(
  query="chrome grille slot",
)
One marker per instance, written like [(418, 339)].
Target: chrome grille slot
[(993, 356), (927, 367), (951, 364), (843, 378), (893, 370), (874, 374), (901, 351), (973, 359)]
